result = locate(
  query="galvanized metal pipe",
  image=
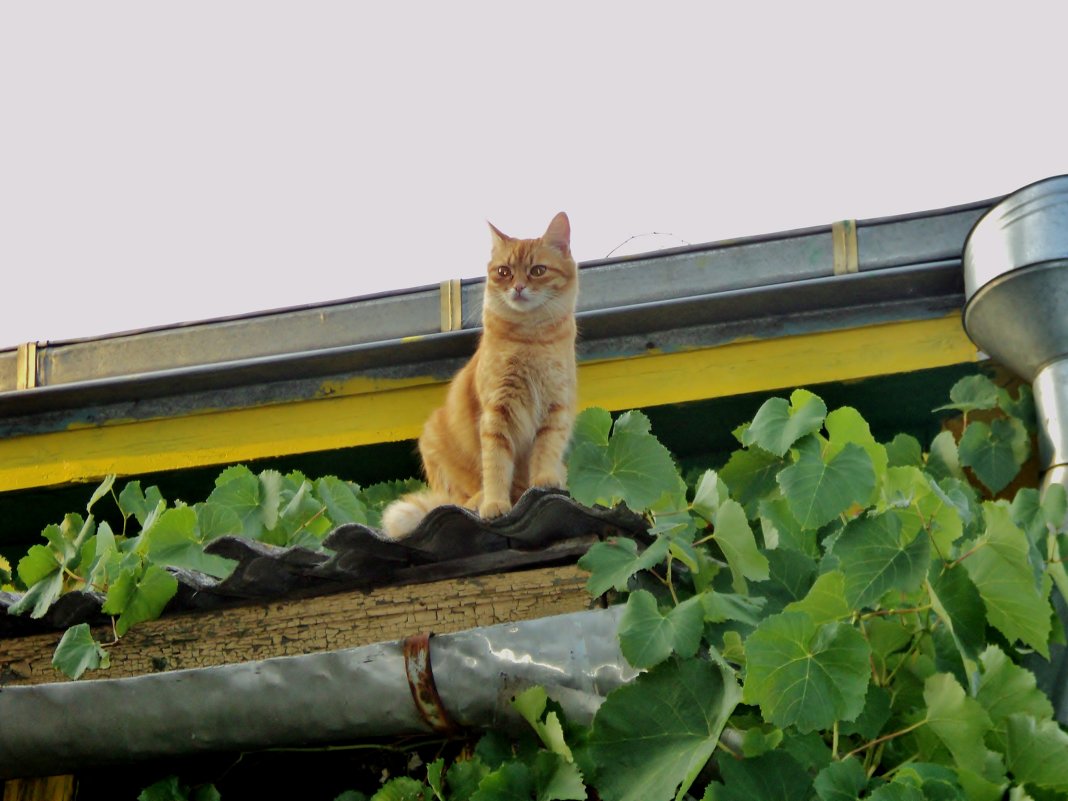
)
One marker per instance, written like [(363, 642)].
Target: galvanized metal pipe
[(333, 697), (1016, 286)]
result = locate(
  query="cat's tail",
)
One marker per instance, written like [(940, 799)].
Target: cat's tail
[(404, 515)]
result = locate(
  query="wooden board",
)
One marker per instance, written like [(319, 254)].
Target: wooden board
[(301, 626), (51, 788)]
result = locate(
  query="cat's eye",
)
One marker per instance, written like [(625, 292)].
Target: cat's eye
[(504, 271), (538, 270)]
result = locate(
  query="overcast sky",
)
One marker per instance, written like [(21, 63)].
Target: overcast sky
[(164, 162)]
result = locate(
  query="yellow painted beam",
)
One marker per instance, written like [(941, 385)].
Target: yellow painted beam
[(350, 414)]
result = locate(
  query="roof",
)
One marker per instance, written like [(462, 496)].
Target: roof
[(675, 326), (544, 527), (711, 320)]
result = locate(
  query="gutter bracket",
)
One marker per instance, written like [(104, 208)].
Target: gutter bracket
[(452, 318), (844, 239), (26, 366)]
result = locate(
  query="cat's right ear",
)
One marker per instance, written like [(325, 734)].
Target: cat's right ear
[(498, 237)]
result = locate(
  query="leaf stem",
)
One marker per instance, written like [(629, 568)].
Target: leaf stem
[(885, 738), (886, 612)]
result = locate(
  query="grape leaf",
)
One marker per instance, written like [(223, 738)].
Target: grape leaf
[(658, 731), (405, 788), (735, 539), (721, 606), (464, 776), (995, 452), (238, 490), (38, 563), (825, 601), (840, 781), (972, 393), (40, 597), (78, 651), (1037, 752), (709, 494), (957, 602), (531, 705), (750, 476), (634, 469), (1006, 689), (138, 598), (845, 425), (781, 529), (340, 500), (214, 521), (943, 460), (960, 722), (773, 776), (806, 675), (132, 501), (778, 424), (999, 568), (647, 636), (874, 559), (904, 451), (611, 563), (817, 489), (591, 425), (172, 540)]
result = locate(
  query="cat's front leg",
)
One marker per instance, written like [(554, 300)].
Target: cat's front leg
[(498, 464), (547, 467)]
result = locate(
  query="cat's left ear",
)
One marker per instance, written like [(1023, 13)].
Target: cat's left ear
[(498, 237), (558, 234)]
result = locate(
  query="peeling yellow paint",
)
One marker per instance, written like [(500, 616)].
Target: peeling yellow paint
[(362, 411)]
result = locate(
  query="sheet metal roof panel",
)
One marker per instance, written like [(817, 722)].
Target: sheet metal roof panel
[(449, 542)]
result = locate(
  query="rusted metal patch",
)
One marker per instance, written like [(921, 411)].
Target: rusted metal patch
[(421, 682)]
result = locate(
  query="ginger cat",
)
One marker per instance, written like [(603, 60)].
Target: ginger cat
[(508, 413)]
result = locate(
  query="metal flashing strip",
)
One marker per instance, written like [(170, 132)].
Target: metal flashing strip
[(452, 318), (348, 420), (844, 237), (26, 366)]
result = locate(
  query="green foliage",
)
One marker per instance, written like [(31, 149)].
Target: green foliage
[(826, 616), (854, 591), (132, 569), (172, 789)]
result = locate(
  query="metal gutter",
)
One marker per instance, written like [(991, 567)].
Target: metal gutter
[(334, 697), (392, 320), (818, 304)]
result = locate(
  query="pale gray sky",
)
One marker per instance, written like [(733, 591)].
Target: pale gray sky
[(164, 162)]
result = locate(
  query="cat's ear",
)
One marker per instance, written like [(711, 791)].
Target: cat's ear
[(558, 234), (498, 237)]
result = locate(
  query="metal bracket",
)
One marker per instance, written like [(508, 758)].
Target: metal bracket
[(844, 238), (452, 318), (26, 366), (421, 682)]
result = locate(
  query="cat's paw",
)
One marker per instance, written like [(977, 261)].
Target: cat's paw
[(556, 480), (489, 510)]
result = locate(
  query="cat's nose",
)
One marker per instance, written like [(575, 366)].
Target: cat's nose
[(519, 288)]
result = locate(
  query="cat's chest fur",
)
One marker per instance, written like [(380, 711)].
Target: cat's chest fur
[(526, 382)]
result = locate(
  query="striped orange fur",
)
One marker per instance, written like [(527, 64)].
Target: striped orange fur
[(508, 412)]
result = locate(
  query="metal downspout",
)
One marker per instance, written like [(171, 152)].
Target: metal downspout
[(1016, 309)]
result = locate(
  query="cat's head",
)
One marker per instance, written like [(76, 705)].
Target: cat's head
[(534, 278)]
